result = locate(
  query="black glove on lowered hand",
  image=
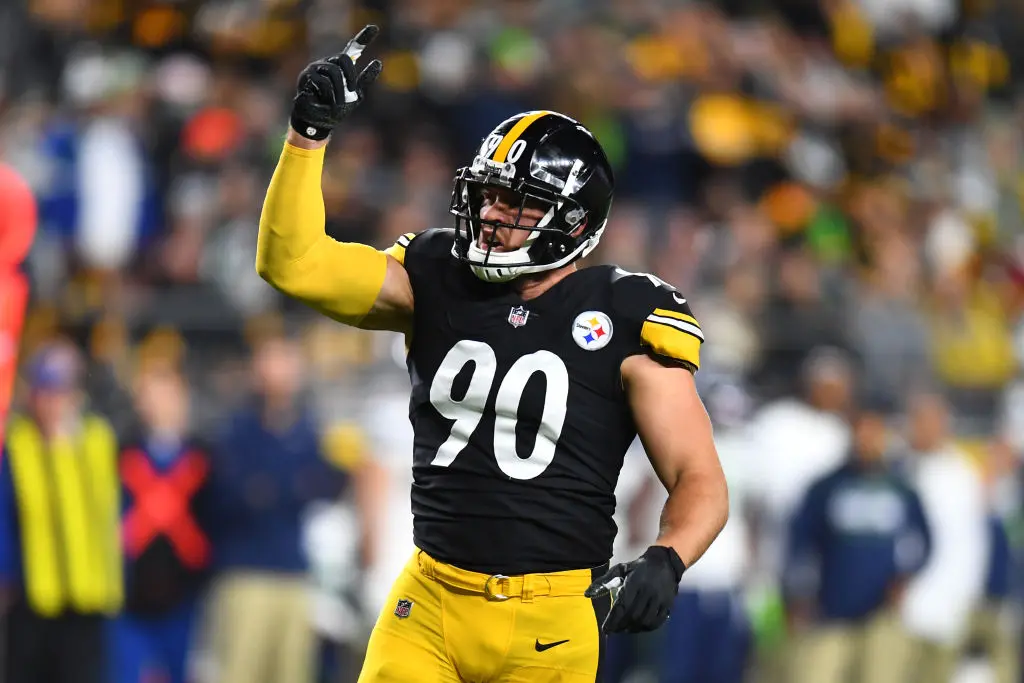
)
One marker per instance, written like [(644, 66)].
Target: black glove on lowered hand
[(329, 89), (647, 588)]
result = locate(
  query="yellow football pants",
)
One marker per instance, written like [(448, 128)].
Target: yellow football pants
[(442, 624)]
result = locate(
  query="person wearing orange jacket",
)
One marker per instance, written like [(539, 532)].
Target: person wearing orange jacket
[(18, 219)]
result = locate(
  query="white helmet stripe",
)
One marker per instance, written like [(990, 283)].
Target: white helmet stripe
[(570, 182)]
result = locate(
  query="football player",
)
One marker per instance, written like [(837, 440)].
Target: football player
[(530, 378)]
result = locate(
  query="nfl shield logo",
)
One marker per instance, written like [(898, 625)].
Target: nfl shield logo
[(403, 608), (517, 316)]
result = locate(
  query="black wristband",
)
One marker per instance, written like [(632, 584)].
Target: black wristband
[(666, 555), (308, 131)]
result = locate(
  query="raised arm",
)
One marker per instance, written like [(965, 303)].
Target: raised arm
[(352, 283)]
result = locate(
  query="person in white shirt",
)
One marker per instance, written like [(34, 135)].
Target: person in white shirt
[(996, 623), (939, 602), (389, 429), (798, 440)]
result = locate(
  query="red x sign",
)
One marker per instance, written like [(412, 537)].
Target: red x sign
[(162, 506)]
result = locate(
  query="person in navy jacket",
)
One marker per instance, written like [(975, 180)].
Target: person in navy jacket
[(270, 462), (859, 534)]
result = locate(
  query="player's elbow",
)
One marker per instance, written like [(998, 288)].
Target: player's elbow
[(277, 269), (701, 481), (281, 251), (276, 277), (264, 270), (267, 266)]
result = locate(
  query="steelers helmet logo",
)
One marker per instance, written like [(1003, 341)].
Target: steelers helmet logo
[(592, 330)]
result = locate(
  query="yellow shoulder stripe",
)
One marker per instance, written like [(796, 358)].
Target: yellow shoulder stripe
[(510, 137), (397, 250), (678, 316), (669, 341)]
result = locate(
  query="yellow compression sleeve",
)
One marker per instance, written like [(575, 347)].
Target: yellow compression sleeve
[(295, 255)]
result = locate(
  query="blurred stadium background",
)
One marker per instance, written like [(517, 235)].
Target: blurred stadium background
[(836, 185)]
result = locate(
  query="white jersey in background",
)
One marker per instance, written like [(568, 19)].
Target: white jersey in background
[(724, 565), (391, 438), (796, 445), (939, 601)]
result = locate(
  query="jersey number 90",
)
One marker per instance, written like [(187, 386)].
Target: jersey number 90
[(468, 411)]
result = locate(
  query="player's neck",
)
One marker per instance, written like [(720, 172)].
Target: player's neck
[(532, 286)]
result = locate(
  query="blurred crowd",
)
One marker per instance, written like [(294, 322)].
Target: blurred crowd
[(836, 185)]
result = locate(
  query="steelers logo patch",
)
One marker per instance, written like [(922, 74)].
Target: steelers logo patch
[(592, 330)]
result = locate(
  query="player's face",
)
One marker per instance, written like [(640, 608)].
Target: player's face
[(502, 206)]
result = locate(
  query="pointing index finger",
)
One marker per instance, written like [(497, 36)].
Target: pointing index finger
[(356, 46)]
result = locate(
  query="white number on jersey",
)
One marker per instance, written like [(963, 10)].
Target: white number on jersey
[(468, 411)]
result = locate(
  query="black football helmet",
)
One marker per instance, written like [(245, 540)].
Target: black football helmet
[(545, 160)]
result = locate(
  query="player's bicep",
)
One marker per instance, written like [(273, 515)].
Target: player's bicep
[(670, 419), (352, 283), (393, 307)]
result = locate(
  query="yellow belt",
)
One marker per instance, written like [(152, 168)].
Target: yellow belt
[(500, 587)]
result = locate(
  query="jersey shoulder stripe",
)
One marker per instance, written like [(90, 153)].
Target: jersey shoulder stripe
[(680, 321), (659, 315), (397, 250), (666, 339)]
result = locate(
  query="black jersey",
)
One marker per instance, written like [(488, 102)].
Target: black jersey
[(520, 419)]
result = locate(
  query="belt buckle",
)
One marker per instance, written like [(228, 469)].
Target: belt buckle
[(489, 593)]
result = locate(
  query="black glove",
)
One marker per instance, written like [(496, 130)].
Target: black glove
[(329, 89), (647, 588)]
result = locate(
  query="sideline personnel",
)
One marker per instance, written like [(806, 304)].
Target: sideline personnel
[(59, 523)]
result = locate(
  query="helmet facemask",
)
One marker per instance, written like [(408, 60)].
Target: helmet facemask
[(551, 243)]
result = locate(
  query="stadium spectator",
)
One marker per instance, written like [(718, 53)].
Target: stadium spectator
[(799, 439), (890, 331), (971, 343), (164, 472), (940, 600), (342, 543), (858, 536), (799, 317), (60, 562), (996, 621), (18, 219), (268, 465)]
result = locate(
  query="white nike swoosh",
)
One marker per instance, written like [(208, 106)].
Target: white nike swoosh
[(679, 299)]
